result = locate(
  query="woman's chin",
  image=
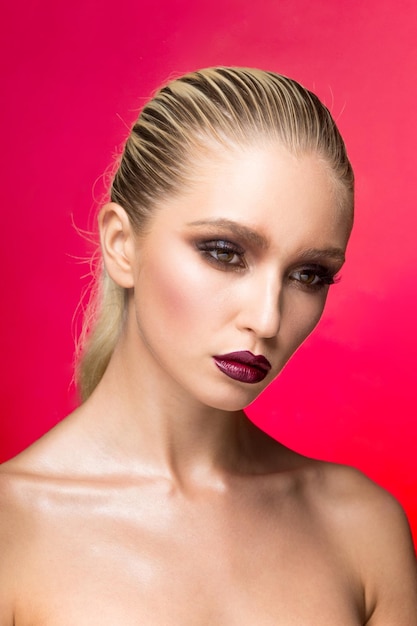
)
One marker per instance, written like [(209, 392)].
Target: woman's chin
[(233, 402)]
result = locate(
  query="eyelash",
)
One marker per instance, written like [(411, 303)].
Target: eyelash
[(221, 246), (322, 276)]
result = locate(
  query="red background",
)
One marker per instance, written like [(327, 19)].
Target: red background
[(74, 75)]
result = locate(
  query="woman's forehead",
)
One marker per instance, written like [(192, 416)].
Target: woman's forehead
[(263, 188)]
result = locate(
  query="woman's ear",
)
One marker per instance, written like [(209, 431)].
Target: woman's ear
[(117, 244)]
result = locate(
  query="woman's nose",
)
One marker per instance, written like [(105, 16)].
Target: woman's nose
[(261, 308)]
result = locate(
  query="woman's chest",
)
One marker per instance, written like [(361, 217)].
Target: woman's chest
[(230, 569), (187, 593)]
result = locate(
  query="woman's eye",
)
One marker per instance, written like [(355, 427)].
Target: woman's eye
[(308, 278), (224, 254), (313, 278)]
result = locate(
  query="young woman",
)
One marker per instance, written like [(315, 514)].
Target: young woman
[(157, 501)]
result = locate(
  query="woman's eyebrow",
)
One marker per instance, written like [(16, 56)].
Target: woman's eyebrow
[(336, 254), (239, 230), (244, 232)]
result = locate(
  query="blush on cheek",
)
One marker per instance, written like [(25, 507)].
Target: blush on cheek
[(177, 293)]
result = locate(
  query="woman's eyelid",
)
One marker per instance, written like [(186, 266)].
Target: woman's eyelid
[(326, 273), (221, 243), (317, 265), (213, 247)]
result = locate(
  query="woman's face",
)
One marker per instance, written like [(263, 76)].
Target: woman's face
[(237, 266)]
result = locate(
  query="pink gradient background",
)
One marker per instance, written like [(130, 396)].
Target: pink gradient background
[(74, 75)]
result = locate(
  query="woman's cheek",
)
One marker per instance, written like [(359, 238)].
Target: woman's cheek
[(310, 312), (178, 292)]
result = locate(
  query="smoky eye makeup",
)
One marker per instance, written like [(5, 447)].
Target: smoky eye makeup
[(315, 270), (313, 277), (222, 253)]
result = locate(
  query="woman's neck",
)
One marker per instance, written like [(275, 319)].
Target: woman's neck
[(152, 424)]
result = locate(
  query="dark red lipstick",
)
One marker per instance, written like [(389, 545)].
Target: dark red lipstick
[(243, 366)]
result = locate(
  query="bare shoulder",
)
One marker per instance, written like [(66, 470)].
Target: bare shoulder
[(373, 529), (351, 498), (14, 533), (23, 506), (341, 486)]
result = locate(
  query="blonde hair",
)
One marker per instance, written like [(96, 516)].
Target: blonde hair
[(225, 105)]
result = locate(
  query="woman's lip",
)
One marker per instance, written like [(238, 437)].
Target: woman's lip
[(243, 366), (247, 358)]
